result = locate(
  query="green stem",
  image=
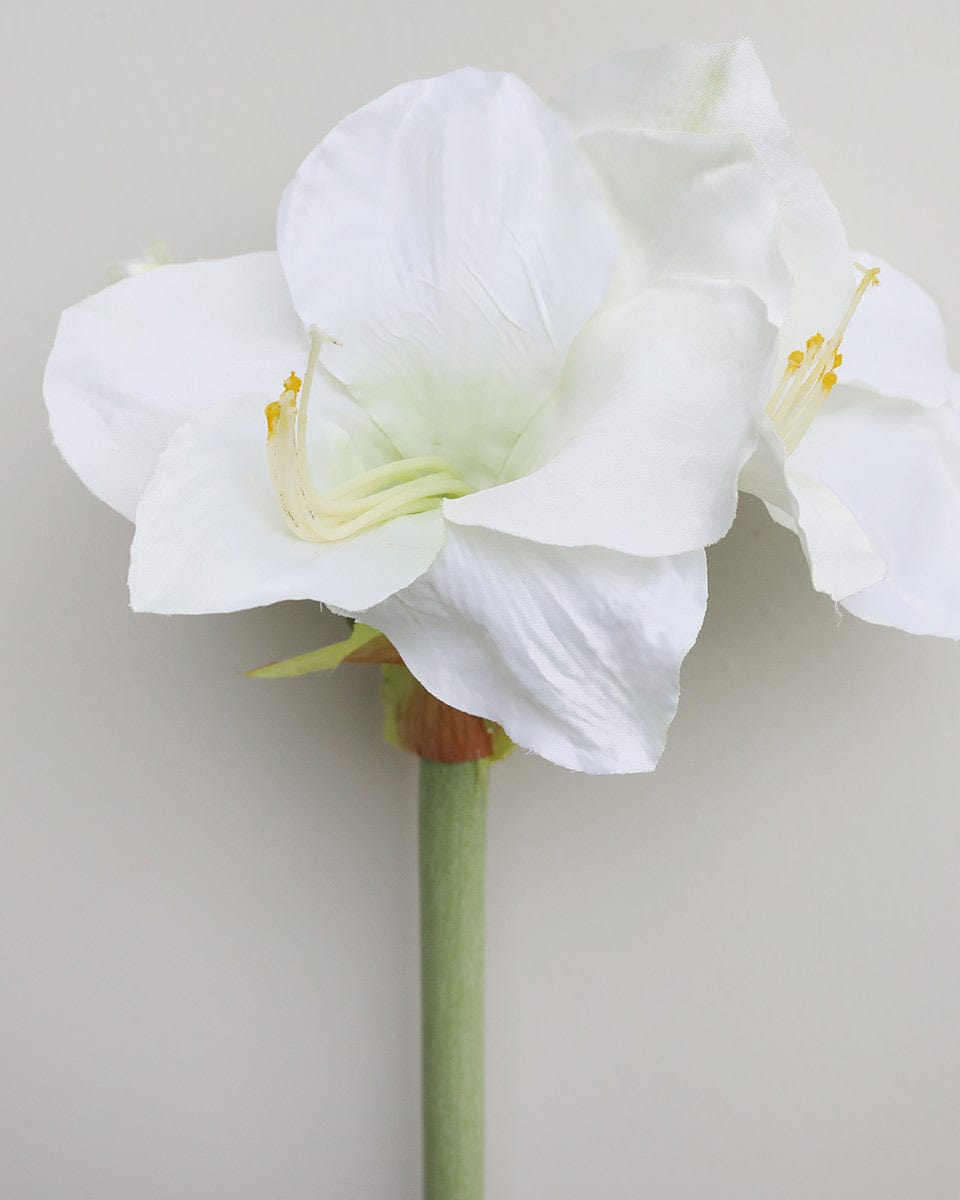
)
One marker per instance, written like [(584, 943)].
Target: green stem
[(453, 818)]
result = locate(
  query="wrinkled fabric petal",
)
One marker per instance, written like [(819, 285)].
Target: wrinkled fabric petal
[(896, 466), (841, 555), (576, 653), (723, 88), (452, 239), (210, 536), (691, 205), (657, 412), (132, 362), (896, 344)]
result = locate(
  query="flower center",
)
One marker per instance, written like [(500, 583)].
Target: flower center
[(396, 489), (810, 374)]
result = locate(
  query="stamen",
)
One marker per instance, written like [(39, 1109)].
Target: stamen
[(809, 375), (409, 485)]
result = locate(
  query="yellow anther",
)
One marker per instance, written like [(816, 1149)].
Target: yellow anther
[(272, 412), (797, 397), (871, 275)]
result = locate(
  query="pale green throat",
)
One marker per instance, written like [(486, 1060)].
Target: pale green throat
[(398, 488)]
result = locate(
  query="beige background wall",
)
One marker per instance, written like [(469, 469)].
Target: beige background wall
[(736, 980)]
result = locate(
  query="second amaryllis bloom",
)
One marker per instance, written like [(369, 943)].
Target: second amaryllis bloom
[(860, 444), (496, 428)]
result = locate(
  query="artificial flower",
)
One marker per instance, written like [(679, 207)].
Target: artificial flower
[(860, 446), (523, 429)]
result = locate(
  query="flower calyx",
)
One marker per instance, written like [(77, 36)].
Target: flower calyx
[(414, 719)]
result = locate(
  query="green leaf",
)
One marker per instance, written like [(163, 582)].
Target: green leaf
[(324, 659)]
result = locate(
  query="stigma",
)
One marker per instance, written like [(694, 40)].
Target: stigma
[(395, 489), (811, 374)]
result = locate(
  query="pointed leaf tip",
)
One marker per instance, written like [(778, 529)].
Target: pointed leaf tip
[(360, 646)]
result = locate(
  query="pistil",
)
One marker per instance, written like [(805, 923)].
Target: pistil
[(811, 374), (399, 488)]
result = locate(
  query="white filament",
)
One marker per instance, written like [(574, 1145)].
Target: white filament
[(398, 488)]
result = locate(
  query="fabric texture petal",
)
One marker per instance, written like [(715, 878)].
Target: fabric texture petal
[(896, 344), (576, 653), (896, 466), (657, 413), (453, 241), (210, 536), (132, 362), (691, 205), (723, 88), (842, 558)]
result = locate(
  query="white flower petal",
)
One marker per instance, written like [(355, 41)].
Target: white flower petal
[(723, 88), (692, 205), (576, 653), (132, 362), (656, 414), (452, 239), (896, 344), (842, 557), (764, 475), (210, 536), (896, 466)]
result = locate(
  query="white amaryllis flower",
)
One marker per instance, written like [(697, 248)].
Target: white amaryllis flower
[(860, 448), (512, 480)]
